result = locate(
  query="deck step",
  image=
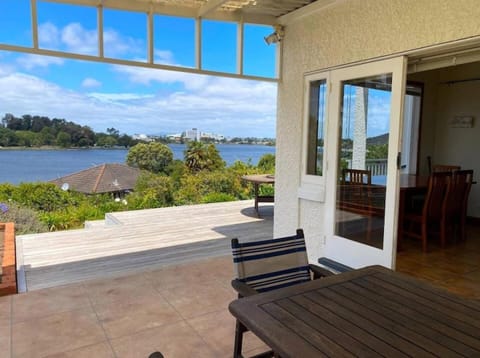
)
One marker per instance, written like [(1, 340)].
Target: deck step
[(140, 240)]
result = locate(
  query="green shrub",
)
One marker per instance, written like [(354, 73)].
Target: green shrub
[(59, 220), (151, 191), (154, 157), (44, 196), (217, 198), (266, 164), (26, 220)]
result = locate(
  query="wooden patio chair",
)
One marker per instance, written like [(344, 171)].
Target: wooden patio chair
[(357, 195), (455, 208), (268, 265), (356, 176), (422, 224)]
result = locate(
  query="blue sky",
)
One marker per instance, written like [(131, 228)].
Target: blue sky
[(135, 99)]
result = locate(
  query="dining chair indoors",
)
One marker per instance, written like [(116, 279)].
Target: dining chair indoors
[(428, 221), (445, 168), (455, 209), (268, 265)]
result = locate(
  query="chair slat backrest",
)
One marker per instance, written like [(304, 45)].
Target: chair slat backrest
[(356, 176), (270, 264), (458, 194), (438, 186), (445, 168)]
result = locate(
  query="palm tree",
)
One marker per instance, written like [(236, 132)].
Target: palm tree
[(200, 156)]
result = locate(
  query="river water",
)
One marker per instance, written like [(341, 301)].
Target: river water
[(41, 165)]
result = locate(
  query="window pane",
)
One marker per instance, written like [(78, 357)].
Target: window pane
[(219, 46), (316, 125), (174, 41), (259, 58), (362, 159), (69, 28)]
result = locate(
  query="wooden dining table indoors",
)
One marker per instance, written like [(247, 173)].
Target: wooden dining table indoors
[(369, 312)]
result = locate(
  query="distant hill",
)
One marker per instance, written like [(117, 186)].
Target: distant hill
[(378, 140)]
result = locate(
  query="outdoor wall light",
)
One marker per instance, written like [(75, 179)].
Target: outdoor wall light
[(276, 36)]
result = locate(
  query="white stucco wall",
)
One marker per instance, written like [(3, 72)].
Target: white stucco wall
[(350, 31)]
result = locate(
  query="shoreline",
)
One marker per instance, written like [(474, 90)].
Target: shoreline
[(60, 148), (52, 148)]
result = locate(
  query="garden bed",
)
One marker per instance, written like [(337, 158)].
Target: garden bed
[(8, 271)]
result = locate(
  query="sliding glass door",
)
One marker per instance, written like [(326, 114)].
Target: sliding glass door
[(366, 105)]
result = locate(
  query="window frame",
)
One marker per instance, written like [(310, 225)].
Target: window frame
[(312, 186)]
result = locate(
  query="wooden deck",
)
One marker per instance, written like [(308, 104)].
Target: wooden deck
[(140, 240)]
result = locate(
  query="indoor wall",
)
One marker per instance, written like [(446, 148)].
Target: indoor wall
[(450, 93)]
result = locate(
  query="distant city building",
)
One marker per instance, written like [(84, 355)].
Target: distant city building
[(216, 137), (143, 137), (192, 134), (175, 137)]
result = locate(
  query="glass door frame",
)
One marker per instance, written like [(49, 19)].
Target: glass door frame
[(350, 252)]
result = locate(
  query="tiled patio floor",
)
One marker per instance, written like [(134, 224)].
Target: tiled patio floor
[(180, 311)]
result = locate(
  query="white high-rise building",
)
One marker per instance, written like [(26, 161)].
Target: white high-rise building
[(192, 134)]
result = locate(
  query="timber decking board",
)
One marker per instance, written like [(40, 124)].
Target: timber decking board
[(141, 240)]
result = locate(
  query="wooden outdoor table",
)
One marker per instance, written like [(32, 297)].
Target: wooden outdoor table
[(258, 179), (370, 312)]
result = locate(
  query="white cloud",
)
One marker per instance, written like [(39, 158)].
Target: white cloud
[(48, 34), (147, 76), (77, 39), (164, 56), (5, 69), (91, 83), (225, 106), (32, 61), (114, 97)]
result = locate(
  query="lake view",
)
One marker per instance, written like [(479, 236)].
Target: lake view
[(42, 165)]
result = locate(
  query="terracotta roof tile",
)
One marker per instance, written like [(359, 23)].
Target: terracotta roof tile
[(105, 178)]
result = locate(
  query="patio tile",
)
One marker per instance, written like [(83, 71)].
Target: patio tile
[(118, 289), (221, 267), (173, 276), (48, 301), (5, 339), (100, 350), (252, 352), (57, 333), (177, 340), (218, 330), (5, 310), (123, 318), (198, 298)]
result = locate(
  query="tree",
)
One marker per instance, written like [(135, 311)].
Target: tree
[(113, 132), (154, 157), (63, 139), (267, 163), (8, 137), (200, 156)]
